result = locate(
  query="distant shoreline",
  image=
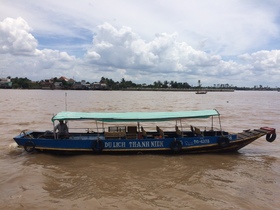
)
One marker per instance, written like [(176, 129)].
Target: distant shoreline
[(178, 89), (152, 89)]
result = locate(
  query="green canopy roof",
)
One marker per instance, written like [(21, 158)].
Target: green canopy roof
[(134, 116)]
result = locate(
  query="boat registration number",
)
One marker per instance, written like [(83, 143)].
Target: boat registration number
[(201, 141)]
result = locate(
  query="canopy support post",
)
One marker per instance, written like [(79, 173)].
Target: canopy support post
[(97, 129), (54, 135), (220, 123)]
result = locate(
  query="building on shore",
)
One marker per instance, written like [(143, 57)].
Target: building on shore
[(6, 83)]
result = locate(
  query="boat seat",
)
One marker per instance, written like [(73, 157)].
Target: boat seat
[(196, 131), (131, 136), (178, 132), (115, 135), (131, 132), (160, 132), (144, 133), (116, 128)]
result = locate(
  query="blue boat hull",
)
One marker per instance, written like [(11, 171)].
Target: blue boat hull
[(97, 143)]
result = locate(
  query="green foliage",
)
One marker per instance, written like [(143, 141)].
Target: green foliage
[(22, 83), (123, 84), (25, 83)]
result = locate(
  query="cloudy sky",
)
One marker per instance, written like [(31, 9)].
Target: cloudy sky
[(234, 42)]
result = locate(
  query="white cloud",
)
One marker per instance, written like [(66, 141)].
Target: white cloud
[(225, 28), (20, 56), (53, 59), (264, 60), (15, 37), (124, 48), (182, 41), (265, 66)]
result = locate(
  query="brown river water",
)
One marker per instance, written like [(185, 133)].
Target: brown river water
[(248, 179)]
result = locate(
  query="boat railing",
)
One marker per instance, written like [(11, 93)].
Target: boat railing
[(86, 130), (211, 131), (149, 132)]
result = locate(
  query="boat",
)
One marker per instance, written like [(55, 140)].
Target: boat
[(201, 92), (128, 132)]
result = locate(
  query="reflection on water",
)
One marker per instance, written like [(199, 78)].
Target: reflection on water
[(248, 179)]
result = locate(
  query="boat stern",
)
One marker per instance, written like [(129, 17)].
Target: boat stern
[(24, 137)]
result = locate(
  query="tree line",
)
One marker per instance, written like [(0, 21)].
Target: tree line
[(124, 84), (25, 83)]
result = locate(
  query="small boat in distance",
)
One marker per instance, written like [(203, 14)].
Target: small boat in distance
[(129, 132), (201, 92)]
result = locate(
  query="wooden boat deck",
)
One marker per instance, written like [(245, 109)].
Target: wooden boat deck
[(249, 133)]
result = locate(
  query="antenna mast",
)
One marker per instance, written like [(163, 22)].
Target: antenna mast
[(65, 101)]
